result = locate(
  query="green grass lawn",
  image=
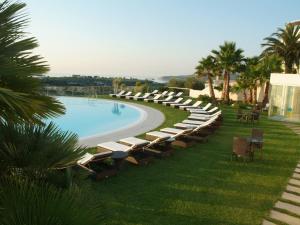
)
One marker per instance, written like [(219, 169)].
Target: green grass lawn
[(200, 184)]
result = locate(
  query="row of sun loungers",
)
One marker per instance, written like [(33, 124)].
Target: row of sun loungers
[(148, 97), (202, 122)]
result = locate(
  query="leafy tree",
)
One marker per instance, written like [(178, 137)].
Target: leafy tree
[(194, 83), (208, 68), (230, 60), (141, 87), (286, 44), (176, 83), (35, 152), (19, 69), (116, 83)]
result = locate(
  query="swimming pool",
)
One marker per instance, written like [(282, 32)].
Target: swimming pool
[(90, 117)]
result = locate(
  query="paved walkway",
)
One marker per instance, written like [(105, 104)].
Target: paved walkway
[(151, 119), (287, 209)]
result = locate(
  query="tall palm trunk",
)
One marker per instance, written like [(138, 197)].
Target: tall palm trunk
[(211, 88), (226, 87), (255, 94), (266, 94), (245, 95), (250, 99), (288, 67)]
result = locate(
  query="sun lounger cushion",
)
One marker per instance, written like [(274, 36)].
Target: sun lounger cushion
[(193, 122), (114, 146), (159, 134), (171, 130), (134, 141), (185, 125), (87, 157)]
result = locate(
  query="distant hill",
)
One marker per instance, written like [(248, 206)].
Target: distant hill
[(165, 79)]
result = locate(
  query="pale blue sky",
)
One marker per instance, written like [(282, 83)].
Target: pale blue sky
[(149, 37)]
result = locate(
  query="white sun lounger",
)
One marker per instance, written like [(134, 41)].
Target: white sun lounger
[(127, 149), (189, 125), (175, 105), (134, 141), (204, 109), (159, 135), (119, 151), (154, 92), (88, 157), (147, 145), (187, 107), (178, 100), (152, 99), (120, 93), (202, 117), (164, 93), (176, 130), (134, 96), (196, 122), (171, 93), (172, 136), (179, 94), (185, 126), (163, 100), (124, 95), (204, 112), (146, 95)]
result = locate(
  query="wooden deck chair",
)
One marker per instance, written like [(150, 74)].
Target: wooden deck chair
[(258, 136), (241, 149)]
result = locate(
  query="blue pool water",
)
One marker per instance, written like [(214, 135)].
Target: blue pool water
[(88, 117)]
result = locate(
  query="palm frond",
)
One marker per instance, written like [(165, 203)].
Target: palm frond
[(24, 202)]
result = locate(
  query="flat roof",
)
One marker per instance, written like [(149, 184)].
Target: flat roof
[(295, 22), (285, 79)]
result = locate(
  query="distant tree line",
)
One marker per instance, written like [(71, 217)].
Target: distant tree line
[(93, 81), (190, 82)]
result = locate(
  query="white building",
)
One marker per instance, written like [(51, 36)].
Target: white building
[(285, 97)]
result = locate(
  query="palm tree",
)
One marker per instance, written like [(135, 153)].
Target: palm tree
[(19, 69), (267, 65), (230, 61), (253, 77), (25, 202), (286, 44), (208, 67), (35, 151), (242, 85)]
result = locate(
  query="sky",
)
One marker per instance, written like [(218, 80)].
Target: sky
[(149, 38)]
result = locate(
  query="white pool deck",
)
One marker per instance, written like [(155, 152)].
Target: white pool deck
[(151, 118)]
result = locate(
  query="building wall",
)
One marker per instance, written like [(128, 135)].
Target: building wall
[(285, 97), (233, 96)]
